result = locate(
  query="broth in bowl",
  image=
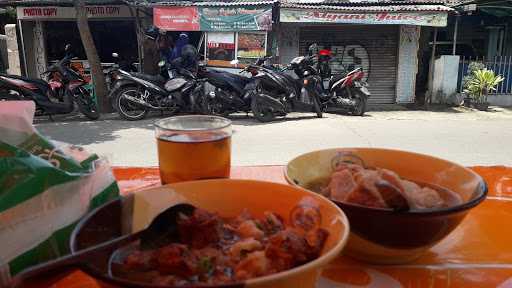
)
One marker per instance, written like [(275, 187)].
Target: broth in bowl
[(381, 188)]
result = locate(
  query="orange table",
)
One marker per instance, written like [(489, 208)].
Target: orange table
[(477, 254)]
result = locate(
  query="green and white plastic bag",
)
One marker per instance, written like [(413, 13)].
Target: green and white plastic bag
[(45, 188)]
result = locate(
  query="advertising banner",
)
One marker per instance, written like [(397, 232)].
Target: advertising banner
[(235, 18), (434, 19), (219, 19), (176, 18)]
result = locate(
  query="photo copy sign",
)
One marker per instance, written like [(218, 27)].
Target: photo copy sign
[(58, 13)]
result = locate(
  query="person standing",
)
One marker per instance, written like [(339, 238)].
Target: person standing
[(151, 52)]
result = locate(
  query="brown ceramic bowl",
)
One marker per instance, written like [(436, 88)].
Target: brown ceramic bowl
[(228, 198), (386, 236)]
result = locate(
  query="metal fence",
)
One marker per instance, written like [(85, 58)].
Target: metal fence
[(501, 65)]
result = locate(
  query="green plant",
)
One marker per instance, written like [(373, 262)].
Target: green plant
[(472, 67), (481, 83)]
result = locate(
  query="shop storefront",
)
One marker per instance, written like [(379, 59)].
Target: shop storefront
[(47, 29), (381, 40), (229, 31)]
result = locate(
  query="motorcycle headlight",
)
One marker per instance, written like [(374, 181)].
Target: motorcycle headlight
[(306, 73)]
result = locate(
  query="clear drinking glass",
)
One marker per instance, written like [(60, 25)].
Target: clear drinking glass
[(193, 147)]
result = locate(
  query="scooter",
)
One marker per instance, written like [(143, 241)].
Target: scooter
[(346, 92), (65, 86), (135, 94), (233, 92), (279, 93)]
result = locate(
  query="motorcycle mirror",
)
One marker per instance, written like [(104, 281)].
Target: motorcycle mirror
[(234, 62), (313, 48), (161, 63), (115, 55)]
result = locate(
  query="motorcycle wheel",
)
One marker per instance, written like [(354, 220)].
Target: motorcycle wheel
[(127, 109), (262, 113), (87, 105), (360, 109), (318, 108)]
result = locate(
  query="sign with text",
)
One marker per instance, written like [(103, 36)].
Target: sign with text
[(55, 13), (434, 19), (220, 19), (235, 18), (176, 18)]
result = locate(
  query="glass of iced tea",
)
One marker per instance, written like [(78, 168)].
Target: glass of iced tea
[(193, 147)]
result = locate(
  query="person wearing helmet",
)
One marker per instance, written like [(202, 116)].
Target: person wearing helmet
[(182, 41)]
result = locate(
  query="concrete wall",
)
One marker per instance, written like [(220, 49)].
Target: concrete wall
[(407, 63), (500, 100), (446, 70), (13, 52)]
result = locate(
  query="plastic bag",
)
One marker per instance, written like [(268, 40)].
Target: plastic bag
[(45, 188)]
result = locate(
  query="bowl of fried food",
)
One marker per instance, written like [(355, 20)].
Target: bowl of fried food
[(239, 233), (399, 204)]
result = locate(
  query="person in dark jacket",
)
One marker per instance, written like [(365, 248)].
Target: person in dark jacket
[(183, 40)]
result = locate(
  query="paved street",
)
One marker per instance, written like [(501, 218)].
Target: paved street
[(467, 137)]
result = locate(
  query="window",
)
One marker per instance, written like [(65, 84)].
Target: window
[(223, 47), (251, 46), (220, 48)]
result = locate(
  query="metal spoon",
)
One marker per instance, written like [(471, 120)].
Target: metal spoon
[(162, 231)]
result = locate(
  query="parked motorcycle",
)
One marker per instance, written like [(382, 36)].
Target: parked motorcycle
[(233, 92), (279, 93), (135, 94), (345, 91), (112, 71), (58, 95)]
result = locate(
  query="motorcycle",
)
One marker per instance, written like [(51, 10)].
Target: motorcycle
[(112, 71), (279, 93), (347, 92), (135, 94), (65, 86), (233, 92)]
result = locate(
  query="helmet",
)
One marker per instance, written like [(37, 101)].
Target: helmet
[(152, 33), (189, 52)]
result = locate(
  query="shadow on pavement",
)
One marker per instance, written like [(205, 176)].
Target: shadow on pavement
[(78, 130)]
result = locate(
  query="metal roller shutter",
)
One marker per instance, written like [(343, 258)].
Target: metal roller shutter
[(371, 47)]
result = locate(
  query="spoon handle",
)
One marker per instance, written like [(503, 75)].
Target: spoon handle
[(79, 260)]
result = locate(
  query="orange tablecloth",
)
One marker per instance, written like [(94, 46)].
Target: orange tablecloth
[(477, 254)]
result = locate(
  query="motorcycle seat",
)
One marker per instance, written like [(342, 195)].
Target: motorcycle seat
[(37, 82), (241, 78), (41, 85), (158, 79)]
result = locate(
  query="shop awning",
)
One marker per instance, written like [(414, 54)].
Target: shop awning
[(498, 8), (213, 15), (420, 13)]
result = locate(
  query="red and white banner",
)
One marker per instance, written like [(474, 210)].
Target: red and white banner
[(176, 18)]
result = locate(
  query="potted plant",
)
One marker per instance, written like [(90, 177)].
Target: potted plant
[(483, 81), (472, 67)]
